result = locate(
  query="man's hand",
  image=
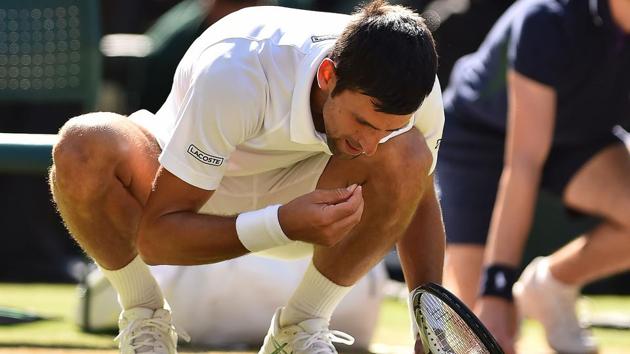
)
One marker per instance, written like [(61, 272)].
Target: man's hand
[(322, 217), (499, 316)]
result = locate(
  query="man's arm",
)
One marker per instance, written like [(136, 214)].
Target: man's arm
[(531, 121), (421, 249), (172, 231)]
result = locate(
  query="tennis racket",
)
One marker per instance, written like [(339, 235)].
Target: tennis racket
[(447, 326)]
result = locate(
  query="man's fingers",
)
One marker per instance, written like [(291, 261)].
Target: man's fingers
[(346, 208), (346, 224), (334, 196)]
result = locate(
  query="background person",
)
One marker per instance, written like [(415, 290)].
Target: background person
[(269, 112), (532, 109)]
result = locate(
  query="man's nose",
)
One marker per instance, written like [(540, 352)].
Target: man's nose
[(369, 144)]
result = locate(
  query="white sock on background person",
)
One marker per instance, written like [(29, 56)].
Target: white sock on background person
[(135, 285), (315, 297)]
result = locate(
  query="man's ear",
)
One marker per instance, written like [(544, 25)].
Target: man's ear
[(326, 77)]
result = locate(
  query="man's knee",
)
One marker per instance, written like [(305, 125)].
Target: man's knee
[(86, 154), (403, 167), (397, 180)]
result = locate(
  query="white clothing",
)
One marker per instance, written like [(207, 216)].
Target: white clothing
[(230, 303), (240, 102)]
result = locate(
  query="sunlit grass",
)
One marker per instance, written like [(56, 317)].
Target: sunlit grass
[(58, 303)]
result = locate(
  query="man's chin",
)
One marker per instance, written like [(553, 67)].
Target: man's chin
[(338, 151), (344, 155)]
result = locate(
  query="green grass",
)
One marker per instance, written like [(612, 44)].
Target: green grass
[(58, 303), (54, 301)]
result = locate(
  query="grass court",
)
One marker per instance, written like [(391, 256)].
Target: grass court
[(59, 334)]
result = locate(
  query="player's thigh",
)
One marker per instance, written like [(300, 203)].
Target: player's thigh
[(602, 185), (97, 146)]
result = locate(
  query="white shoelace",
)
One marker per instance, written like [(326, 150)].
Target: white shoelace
[(148, 333), (322, 341)]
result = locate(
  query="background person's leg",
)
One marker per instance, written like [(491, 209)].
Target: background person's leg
[(549, 287), (602, 188), (467, 197), (462, 271)]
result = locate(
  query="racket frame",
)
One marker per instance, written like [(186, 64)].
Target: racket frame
[(459, 308)]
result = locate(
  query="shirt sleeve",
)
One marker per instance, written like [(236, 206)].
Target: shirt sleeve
[(219, 104), (537, 45), (429, 119)]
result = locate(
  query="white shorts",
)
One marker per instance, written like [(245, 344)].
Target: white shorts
[(237, 194)]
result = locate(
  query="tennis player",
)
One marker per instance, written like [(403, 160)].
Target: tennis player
[(534, 108), (287, 133)]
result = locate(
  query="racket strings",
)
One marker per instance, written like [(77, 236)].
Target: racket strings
[(450, 332)]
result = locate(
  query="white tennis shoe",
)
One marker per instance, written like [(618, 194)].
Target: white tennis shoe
[(307, 337), (147, 331), (542, 298)]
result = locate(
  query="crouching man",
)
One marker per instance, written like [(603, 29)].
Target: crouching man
[(287, 133)]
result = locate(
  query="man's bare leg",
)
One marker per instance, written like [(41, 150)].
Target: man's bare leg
[(392, 182), (103, 167)]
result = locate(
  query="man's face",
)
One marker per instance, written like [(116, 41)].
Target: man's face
[(354, 127)]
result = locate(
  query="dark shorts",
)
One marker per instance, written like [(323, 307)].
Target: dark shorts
[(469, 166)]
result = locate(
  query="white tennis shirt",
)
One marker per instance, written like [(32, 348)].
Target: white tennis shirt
[(240, 102)]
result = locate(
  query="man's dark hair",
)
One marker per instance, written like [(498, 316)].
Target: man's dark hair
[(387, 53)]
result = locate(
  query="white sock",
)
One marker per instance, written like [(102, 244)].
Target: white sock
[(315, 297), (135, 285)]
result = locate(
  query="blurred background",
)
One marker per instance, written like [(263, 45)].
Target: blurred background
[(62, 58)]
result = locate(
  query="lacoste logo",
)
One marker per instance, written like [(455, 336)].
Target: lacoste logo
[(204, 157), (326, 37)]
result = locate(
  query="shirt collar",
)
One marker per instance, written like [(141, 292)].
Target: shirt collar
[(406, 128)]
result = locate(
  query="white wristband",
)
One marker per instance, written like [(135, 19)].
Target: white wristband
[(260, 229)]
